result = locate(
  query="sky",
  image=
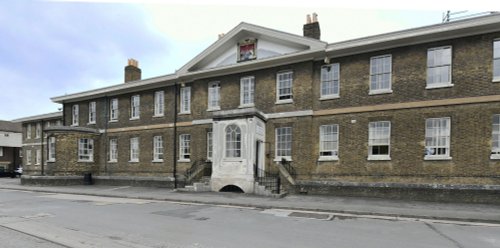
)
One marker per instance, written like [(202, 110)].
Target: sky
[(53, 48)]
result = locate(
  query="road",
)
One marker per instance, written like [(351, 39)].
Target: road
[(29, 219)]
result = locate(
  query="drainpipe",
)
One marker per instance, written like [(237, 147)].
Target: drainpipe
[(106, 122), (175, 136), (41, 147)]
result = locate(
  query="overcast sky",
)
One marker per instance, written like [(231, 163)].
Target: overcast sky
[(52, 48)]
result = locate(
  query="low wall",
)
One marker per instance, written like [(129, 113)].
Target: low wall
[(161, 182), (489, 194)]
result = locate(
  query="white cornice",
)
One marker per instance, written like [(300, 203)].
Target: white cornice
[(54, 115)]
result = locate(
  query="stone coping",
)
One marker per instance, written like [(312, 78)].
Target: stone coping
[(400, 185)]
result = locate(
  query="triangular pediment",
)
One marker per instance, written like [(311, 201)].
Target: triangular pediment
[(250, 43)]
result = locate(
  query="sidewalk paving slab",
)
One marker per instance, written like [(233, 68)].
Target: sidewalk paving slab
[(350, 205)]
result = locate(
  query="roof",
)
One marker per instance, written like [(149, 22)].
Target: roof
[(316, 50), (9, 126), (49, 116)]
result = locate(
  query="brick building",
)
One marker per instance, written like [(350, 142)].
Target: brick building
[(417, 106), (10, 145), (38, 148)]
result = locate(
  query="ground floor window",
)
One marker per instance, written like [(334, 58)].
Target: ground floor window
[(328, 141), (233, 141), (134, 149), (379, 140), (28, 157), (495, 142), (85, 150), (1, 151), (184, 147), (437, 138), (52, 149), (209, 145), (158, 148), (113, 150), (38, 156), (283, 143)]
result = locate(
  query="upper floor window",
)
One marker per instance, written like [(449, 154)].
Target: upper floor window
[(439, 67), (184, 147), (92, 112), (283, 143), (28, 131), (113, 150), (185, 100), (135, 107), (437, 138), (495, 143), (159, 103), (496, 61), (379, 140), (233, 141), (247, 90), (52, 149), (85, 150), (157, 149), (74, 116), (134, 149), (330, 78), (113, 109), (328, 142), (38, 130), (214, 96), (284, 85), (209, 145), (380, 74)]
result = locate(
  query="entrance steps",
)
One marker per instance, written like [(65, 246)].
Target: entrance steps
[(202, 185)]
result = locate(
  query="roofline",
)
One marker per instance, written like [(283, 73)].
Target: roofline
[(419, 35), (47, 116)]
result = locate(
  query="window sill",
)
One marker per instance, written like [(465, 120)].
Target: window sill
[(380, 92), (91, 123), (184, 113), (113, 161), (496, 80), (113, 121), (85, 161), (495, 156), (157, 161), (51, 161), (437, 158), (133, 161), (278, 159), (184, 160), (135, 118), (158, 116), (213, 109), (233, 160), (379, 157), (329, 97), (328, 158), (438, 86), (74, 125), (246, 105), (287, 101)]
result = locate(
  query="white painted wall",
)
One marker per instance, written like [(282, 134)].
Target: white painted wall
[(9, 139)]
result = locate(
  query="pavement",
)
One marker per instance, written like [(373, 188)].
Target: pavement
[(355, 206)]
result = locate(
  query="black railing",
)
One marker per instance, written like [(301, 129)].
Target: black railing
[(198, 167), (269, 180), (288, 166)]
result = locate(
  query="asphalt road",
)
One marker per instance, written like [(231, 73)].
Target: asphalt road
[(29, 219)]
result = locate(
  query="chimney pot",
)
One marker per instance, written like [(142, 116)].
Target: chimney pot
[(308, 19), (311, 28), (132, 71)]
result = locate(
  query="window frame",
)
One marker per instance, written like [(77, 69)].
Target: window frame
[(446, 136), (210, 145), (158, 148), (322, 140), (38, 130), (374, 74), (28, 131), (113, 110), (75, 115), (233, 142), (334, 81), (92, 112), (434, 66), (184, 148), (113, 150), (495, 137), (279, 82), (134, 150), (496, 61), (87, 151), (280, 141), (213, 96), (1, 151), (376, 127), (185, 104), (28, 157), (250, 80), (135, 107), (51, 150), (159, 103)]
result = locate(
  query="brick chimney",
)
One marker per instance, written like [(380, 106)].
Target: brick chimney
[(132, 71), (311, 28)]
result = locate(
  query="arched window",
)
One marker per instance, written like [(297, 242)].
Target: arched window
[(233, 141)]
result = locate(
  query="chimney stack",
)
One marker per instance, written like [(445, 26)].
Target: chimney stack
[(132, 71), (311, 28)]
